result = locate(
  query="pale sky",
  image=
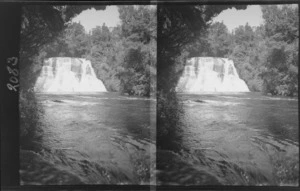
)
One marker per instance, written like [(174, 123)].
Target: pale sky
[(91, 18), (233, 18)]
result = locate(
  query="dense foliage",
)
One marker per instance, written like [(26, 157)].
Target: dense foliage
[(40, 25), (139, 26), (266, 57), (124, 57), (179, 26), (280, 74)]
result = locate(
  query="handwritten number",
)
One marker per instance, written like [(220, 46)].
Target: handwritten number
[(13, 79), (12, 87), (14, 59), (13, 71)]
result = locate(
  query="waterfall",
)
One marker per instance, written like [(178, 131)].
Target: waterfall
[(208, 74), (64, 74)]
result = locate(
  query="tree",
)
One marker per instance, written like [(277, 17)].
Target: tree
[(139, 34), (266, 57), (71, 42), (245, 50), (106, 55), (282, 39), (219, 40), (76, 40)]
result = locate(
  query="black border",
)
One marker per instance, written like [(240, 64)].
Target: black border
[(10, 14), (10, 19), (146, 2)]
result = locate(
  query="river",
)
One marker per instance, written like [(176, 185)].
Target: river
[(234, 139), (100, 138)]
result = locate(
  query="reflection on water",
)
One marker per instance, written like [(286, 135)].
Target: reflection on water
[(237, 139), (92, 139)]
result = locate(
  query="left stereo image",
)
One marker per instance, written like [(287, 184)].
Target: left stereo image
[(87, 95)]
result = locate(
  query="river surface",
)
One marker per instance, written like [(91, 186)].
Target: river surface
[(234, 139), (99, 138)]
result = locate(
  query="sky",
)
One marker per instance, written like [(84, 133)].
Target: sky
[(233, 18), (91, 18)]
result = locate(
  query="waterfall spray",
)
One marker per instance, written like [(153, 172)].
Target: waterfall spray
[(64, 74), (207, 74)]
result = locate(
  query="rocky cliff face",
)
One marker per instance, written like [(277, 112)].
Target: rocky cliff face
[(64, 74), (208, 74)]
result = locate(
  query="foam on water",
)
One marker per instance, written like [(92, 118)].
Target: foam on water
[(64, 74), (207, 74)]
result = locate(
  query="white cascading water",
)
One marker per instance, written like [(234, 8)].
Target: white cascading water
[(208, 74), (65, 74)]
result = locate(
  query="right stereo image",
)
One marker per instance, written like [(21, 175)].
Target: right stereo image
[(227, 95)]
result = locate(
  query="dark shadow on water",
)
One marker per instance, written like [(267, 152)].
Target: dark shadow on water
[(169, 123), (30, 111), (172, 166)]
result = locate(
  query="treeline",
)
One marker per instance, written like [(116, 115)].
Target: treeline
[(266, 57), (124, 57)]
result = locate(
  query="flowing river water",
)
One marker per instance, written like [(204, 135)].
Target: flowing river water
[(99, 138), (233, 139), (227, 139)]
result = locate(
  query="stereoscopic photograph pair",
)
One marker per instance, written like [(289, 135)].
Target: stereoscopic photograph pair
[(161, 94)]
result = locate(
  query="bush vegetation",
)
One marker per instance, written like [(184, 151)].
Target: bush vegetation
[(124, 57), (266, 57)]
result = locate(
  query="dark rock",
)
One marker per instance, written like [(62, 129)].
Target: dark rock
[(199, 101), (58, 101)]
